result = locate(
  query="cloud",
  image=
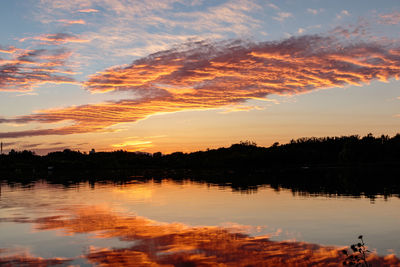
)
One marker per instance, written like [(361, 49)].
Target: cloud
[(26, 69), (238, 108), (203, 75), (56, 39), (133, 145), (232, 16), (9, 144), (97, 118), (359, 30), (89, 10), (282, 16), (342, 14), (61, 143), (251, 70), (390, 18), (126, 32), (312, 11), (42, 148), (273, 6), (70, 22), (27, 94), (31, 146), (7, 50)]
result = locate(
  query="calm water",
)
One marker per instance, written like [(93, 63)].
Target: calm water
[(89, 224)]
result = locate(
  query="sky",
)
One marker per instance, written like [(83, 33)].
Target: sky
[(179, 75)]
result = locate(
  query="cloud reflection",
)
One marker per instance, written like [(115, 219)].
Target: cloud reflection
[(158, 244)]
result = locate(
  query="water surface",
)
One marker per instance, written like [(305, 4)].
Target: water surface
[(88, 223)]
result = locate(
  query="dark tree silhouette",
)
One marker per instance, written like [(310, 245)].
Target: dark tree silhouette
[(348, 165)]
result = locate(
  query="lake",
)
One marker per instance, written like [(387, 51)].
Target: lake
[(188, 223)]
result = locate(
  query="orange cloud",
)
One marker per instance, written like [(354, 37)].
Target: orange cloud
[(157, 243), (57, 38), (248, 70), (70, 22), (89, 10), (92, 118), (205, 76), (133, 145), (28, 68), (8, 50)]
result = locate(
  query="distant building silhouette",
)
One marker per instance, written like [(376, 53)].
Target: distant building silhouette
[(92, 151)]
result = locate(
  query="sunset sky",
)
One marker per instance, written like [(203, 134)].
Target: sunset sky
[(180, 75)]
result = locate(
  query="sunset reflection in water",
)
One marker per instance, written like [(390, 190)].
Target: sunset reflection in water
[(168, 222), (174, 244)]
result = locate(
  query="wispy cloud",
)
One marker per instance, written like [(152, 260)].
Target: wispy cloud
[(239, 108), (314, 11), (26, 69), (343, 13), (27, 94), (126, 32), (31, 146), (8, 49), (232, 16), (282, 16), (40, 148), (202, 75), (89, 10), (359, 30), (273, 6), (390, 18), (134, 145), (60, 143), (9, 144), (71, 22), (56, 39)]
